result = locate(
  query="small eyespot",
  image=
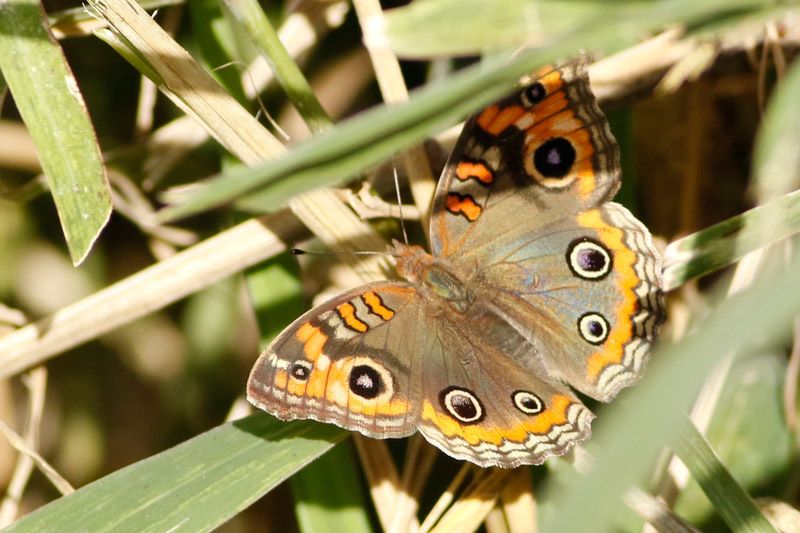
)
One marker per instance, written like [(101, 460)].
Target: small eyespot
[(593, 328), (366, 382), (554, 157), (588, 259), (300, 370), (533, 94), (527, 402), (462, 405)]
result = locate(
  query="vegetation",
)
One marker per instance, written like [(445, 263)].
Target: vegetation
[(147, 323)]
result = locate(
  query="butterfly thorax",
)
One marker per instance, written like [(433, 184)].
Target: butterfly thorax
[(435, 277)]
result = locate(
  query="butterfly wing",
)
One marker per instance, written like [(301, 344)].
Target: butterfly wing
[(559, 285), (586, 291), (482, 403), (385, 361), (523, 202), (352, 361), (532, 158)]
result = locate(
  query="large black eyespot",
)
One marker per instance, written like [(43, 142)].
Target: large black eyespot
[(527, 402), (593, 328), (554, 158), (366, 382), (588, 259), (533, 94), (301, 370), (462, 405)]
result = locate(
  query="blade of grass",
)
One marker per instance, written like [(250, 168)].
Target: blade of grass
[(467, 27), (149, 289), (355, 145), (217, 42), (288, 74), (77, 21), (725, 242), (731, 501), (190, 87), (441, 28), (371, 137), (181, 78), (51, 105), (317, 209), (195, 486), (776, 159), (329, 495), (393, 89), (748, 431), (644, 419)]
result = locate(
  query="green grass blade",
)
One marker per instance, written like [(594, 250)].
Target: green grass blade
[(776, 171), (217, 43), (629, 435), (50, 103), (357, 144), (730, 500), (288, 74), (195, 486), (776, 156), (431, 28), (333, 157), (748, 431), (725, 242), (329, 496), (276, 293)]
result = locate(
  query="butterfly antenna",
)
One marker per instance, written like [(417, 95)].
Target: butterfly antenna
[(300, 251), (399, 202)]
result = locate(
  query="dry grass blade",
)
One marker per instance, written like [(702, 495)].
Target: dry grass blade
[(447, 497), (790, 383), (518, 503), (36, 383), (471, 509), (154, 287), (234, 127), (381, 473), (657, 514), (390, 80), (420, 457), (20, 444), (181, 76)]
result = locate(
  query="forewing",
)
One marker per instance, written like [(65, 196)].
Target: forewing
[(353, 361), (534, 157)]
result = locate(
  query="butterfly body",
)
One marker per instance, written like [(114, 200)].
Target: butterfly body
[(535, 280)]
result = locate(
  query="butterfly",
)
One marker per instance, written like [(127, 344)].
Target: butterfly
[(536, 282)]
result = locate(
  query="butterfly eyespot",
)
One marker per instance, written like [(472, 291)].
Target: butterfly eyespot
[(593, 328), (527, 402), (554, 158), (366, 381), (533, 94), (301, 370), (588, 259), (462, 405)]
